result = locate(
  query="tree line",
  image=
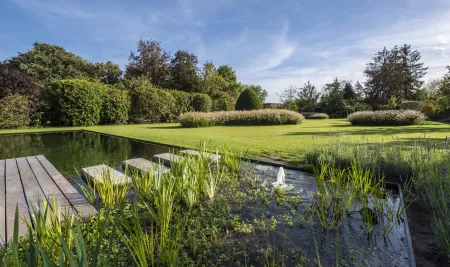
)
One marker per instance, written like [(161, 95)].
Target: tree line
[(28, 72), (394, 77)]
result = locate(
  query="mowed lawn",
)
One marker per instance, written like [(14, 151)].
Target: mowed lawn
[(286, 143)]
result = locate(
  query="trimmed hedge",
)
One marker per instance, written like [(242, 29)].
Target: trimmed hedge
[(74, 102), (255, 117), (201, 102), (386, 117), (116, 105), (248, 100), (317, 116), (14, 112), (152, 105)]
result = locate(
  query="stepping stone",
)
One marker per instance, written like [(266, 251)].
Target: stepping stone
[(98, 172), (214, 157), (167, 159), (143, 165)]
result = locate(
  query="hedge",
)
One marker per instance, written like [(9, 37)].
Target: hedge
[(316, 116), (152, 105), (387, 117), (248, 100), (74, 102), (255, 117), (201, 102), (116, 106), (14, 112)]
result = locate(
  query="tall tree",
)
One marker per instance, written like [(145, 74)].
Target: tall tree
[(211, 82), (307, 98), (360, 90), (15, 82), (349, 92), (227, 73), (397, 72), (46, 62), (261, 92), (151, 61), (333, 98), (108, 73), (184, 72)]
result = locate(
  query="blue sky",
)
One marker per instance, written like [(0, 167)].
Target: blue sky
[(271, 43)]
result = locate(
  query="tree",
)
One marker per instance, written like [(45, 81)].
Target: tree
[(289, 97), (248, 100), (396, 72), (307, 98), (108, 73), (150, 61), (227, 73), (360, 90), (261, 92), (15, 82), (349, 92), (46, 62), (183, 69), (211, 82), (333, 98)]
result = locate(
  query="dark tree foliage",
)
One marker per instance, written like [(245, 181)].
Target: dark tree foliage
[(46, 62), (394, 73), (15, 82), (227, 73), (108, 73), (150, 61), (184, 72), (360, 90), (349, 92), (333, 98), (307, 98), (248, 100)]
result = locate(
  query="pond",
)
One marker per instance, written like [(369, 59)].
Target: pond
[(71, 151)]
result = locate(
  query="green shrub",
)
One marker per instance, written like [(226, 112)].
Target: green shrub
[(73, 102), (386, 117), (116, 105), (255, 117), (152, 105), (201, 102), (413, 105), (248, 100), (183, 102), (316, 116), (14, 112)]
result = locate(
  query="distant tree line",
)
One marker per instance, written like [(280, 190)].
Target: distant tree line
[(394, 80), (151, 75)]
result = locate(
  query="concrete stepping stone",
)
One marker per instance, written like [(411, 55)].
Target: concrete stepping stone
[(192, 152), (100, 171), (166, 159), (143, 165)]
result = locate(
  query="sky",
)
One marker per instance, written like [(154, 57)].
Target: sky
[(271, 43)]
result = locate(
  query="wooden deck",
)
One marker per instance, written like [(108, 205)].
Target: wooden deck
[(26, 182)]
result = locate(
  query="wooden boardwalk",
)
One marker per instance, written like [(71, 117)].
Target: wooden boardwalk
[(26, 182)]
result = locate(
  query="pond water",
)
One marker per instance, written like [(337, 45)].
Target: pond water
[(71, 151)]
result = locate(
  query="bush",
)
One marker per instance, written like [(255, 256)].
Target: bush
[(152, 105), (387, 117), (413, 105), (116, 105), (316, 116), (14, 112), (183, 102), (74, 102), (248, 100), (256, 117), (201, 102)]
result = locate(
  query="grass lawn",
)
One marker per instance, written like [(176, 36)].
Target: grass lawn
[(286, 143)]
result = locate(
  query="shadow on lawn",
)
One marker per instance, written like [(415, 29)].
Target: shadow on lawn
[(165, 127), (420, 131)]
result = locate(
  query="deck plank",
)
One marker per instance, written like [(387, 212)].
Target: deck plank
[(52, 193), (77, 200), (15, 196), (33, 193), (2, 203)]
